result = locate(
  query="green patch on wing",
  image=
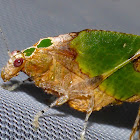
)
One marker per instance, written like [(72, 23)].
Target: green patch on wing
[(101, 51), (44, 43), (122, 84), (29, 51)]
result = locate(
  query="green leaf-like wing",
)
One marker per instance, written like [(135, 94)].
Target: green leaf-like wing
[(101, 51)]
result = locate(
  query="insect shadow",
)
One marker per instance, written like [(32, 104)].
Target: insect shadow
[(120, 116)]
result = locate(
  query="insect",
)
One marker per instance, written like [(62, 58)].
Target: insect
[(88, 70)]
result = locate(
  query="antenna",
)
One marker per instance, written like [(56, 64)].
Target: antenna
[(5, 41)]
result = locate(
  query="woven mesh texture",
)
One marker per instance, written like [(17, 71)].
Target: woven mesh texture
[(24, 23)]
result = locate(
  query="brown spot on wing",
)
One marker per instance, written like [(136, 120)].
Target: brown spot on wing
[(137, 65)]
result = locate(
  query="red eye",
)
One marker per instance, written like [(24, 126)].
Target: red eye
[(18, 62)]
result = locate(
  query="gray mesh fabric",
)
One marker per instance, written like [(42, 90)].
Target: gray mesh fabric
[(24, 23)]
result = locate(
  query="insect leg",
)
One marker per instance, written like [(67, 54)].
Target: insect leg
[(61, 100), (110, 72), (139, 133), (89, 111), (135, 127), (14, 86)]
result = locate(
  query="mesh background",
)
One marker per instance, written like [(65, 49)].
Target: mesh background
[(24, 23)]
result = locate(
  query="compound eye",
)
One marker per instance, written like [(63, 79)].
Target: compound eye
[(18, 62)]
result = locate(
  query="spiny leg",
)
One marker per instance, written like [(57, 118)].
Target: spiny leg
[(14, 86), (139, 134), (89, 111), (60, 101), (135, 127)]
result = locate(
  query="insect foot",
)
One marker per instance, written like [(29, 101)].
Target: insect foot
[(82, 136), (14, 86), (10, 87), (57, 102)]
